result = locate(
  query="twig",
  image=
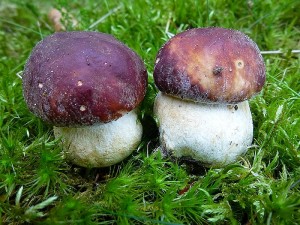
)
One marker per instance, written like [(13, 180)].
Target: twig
[(278, 52), (105, 16), (168, 24)]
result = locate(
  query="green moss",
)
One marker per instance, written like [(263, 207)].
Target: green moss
[(37, 185)]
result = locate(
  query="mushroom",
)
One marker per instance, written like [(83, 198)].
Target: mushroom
[(88, 85), (205, 77)]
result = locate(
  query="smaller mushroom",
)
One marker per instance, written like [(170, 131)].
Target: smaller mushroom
[(205, 77), (88, 85)]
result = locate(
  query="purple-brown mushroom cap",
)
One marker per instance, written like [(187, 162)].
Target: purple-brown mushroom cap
[(81, 78), (214, 65)]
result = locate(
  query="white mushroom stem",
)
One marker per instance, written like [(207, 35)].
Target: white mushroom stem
[(101, 145), (213, 134)]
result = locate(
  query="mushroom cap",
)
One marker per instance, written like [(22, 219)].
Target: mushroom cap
[(210, 65), (81, 78)]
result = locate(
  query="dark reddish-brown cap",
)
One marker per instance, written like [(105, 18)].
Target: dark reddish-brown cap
[(210, 65), (81, 78)]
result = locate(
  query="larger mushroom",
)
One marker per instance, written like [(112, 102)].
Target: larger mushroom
[(87, 84), (205, 77)]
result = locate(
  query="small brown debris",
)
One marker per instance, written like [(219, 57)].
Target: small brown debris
[(59, 20), (55, 16)]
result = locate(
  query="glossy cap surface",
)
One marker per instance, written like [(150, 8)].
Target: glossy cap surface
[(81, 78), (210, 65)]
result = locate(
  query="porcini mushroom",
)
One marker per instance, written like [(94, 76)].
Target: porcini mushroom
[(88, 85), (205, 77)]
